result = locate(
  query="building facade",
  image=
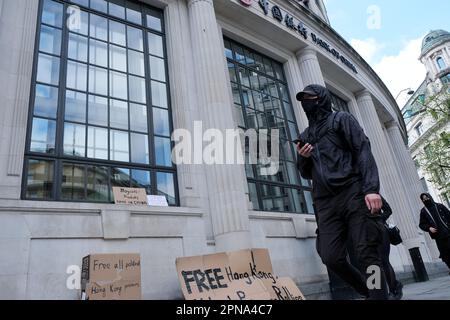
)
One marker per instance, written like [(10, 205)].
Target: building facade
[(421, 126), (91, 91)]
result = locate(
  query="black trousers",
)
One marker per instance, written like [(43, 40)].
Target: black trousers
[(346, 217), (444, 249), (385, 252)]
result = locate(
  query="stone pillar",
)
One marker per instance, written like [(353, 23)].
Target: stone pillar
[(389, 178), (310, 67), (225, 183)]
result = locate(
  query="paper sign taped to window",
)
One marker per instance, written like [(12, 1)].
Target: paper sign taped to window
[(130, 196), (157, 201), (240, 275)]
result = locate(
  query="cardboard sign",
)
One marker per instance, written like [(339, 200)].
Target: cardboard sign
[(240, 275), (130, 196), (157, 201), (111, 277)]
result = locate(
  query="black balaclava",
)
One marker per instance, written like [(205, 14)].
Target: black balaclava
[(429, 203), (318, 113)]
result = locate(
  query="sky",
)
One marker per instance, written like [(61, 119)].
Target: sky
[(388, 35)]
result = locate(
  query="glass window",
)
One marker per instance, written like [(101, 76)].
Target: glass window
[(52, 13), (159, 94), (74, 139), (50, 41), (119, 150), (135, 39), (118, 85), (137, 89), (39, 179), (118, 58), (75, 106), (441, 63), (46, 101), (138, 117), (78, 47), (98, 114), (73, 181), (98, 110), (48, 69), (97, 143), (43, 136), (118, 114), (139, 148), (98, 53), (98, 80), (98, 27), (166, 186), (76, 76)]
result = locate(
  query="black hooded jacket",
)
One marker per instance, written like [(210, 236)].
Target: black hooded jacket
[(333, 167), (437, 216)]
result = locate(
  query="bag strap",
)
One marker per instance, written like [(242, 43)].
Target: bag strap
[(429, 213)]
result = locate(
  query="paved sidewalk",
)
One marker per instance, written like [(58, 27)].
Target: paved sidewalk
[(434, 289)]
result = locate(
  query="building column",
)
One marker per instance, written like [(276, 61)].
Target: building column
[(410, 177), (228, 205), (310, 67), (389, 178)]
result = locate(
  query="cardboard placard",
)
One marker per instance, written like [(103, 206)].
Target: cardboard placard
[(130, 196), (239, 275), (111, 277)]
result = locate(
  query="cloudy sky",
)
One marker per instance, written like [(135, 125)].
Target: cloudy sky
[(388, 34)]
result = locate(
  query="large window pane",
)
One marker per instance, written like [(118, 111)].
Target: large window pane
[(99, 5), (163, 152), (75, 106), (135, 40), (97, 184), (50, 41), (136, 63), (43, 136), (46, 102), (118, 85), (141, 179), (117, 8), (137, 89), (98, 111), (117, 33), (134, 13), (120, 177), (119, 146), (80, 25), (166, 186), (155, 45), (40, 179), (98, 53), (52, 13), (73, 181), (48, 69), (118, 114), (74, 140), (138, 117), (97, 143), (159, 94), (161, 122), (98, 80), (154, 22), (139, 148), (118, 58), (99, 27), (76, 76), (78, 47), (157, 69)]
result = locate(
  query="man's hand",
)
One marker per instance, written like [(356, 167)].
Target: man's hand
[(374, 202), (306, 151), (433, 230)]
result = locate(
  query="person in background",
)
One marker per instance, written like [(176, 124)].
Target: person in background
[(435, 219)]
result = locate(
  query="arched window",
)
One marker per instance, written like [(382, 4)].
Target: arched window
[(441, 63)]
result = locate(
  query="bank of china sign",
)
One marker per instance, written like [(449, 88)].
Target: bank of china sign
[(299, 27)]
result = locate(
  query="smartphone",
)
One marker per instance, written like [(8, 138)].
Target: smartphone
[(297, 141)]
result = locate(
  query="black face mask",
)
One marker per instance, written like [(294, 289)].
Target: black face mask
[(310, 106), (427, 202)]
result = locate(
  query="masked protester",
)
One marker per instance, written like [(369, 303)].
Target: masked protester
[(435, 219), (335, 153)]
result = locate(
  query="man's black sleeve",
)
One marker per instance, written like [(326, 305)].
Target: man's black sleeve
[(424, 223), (362, 153), (304, 165), (446, 211)]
